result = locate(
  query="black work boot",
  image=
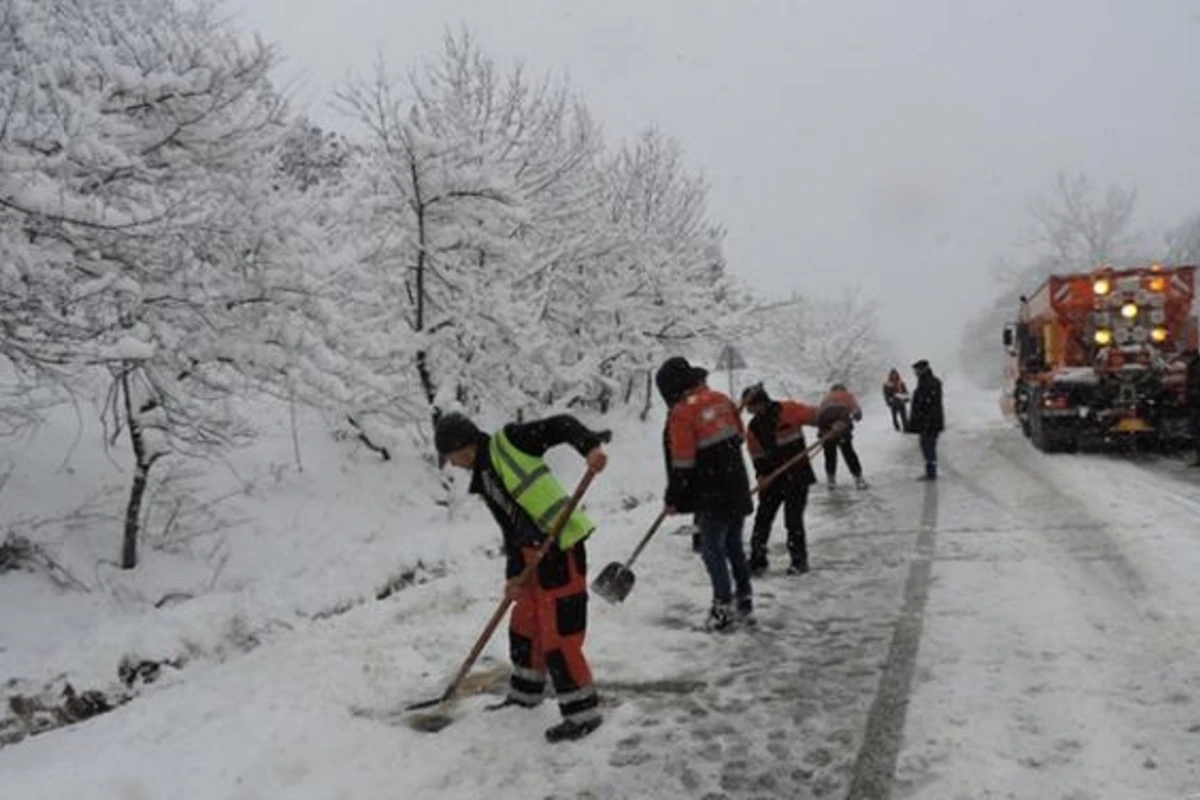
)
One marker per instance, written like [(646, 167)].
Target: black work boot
[(798, 550), (758, 562), (745, 612), (720, 618), (569, 731)]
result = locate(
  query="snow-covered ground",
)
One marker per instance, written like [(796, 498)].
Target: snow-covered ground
[(1058, 657), (1025, 628)]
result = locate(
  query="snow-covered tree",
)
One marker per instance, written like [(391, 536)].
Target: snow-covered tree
[(1074, 228), (523, 268), (134, 151), (814, 341), (1183, 242), (661, 287)]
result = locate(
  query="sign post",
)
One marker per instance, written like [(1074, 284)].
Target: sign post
[(730, 360)]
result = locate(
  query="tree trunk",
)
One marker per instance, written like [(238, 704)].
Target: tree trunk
[(649, 395), (422, 356), (141, 476)]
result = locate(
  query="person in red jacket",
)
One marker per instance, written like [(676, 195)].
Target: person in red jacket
[(774, 437), (895, 394), (706, 476), (840, 406)]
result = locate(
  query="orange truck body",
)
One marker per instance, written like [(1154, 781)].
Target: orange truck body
[(1097, 356)]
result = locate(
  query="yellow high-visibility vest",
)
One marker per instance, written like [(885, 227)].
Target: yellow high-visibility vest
[(531, 483)]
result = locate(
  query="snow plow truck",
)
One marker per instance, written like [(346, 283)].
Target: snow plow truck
[(1096, 359)]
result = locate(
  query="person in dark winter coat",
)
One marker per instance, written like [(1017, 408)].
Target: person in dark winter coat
[(840, 406), (706, 476), (895, 395), (549, 617), (1193, 400), (927, 419), (774, 437)]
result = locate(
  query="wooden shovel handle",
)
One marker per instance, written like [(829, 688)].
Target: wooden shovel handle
[(833, 433), (498, 614), (662, 515)]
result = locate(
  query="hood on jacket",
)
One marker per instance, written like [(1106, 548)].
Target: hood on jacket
[(675, 377)]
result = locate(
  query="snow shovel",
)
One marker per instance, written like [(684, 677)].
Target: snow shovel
[(433, 721), (615, 581)]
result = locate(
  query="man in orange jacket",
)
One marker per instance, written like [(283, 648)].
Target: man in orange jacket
[(774, 437), (840, 406), (706, 476)]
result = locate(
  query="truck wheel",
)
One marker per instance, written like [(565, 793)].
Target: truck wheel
[(1037, 425)]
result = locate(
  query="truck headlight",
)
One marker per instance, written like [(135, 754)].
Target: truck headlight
[(1129, 310), (1158, 335), (1103, 336)]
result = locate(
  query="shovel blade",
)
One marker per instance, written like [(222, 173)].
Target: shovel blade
[(431, 722), (614, 583)]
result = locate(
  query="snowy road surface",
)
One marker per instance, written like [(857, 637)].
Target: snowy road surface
[(1028, 627), (1060, 643)]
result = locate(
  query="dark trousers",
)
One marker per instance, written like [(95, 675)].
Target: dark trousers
[(794, 499), (846, 445), (724, 553), (929, 451), (899, 416)]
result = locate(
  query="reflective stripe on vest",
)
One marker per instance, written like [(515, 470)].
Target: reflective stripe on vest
[(536, 490), (787, 437)]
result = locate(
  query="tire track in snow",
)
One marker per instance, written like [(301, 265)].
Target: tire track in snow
[(875, 767)]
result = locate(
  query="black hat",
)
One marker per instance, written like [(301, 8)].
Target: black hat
[(753, 395), (453, 431), (675, 377), (920, 365)]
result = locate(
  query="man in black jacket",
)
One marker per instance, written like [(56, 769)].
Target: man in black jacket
[(1193, 400), (927, 418), (549, 617), (774, 437)]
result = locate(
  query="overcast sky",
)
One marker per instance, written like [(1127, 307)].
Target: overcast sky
[(887, 144)]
